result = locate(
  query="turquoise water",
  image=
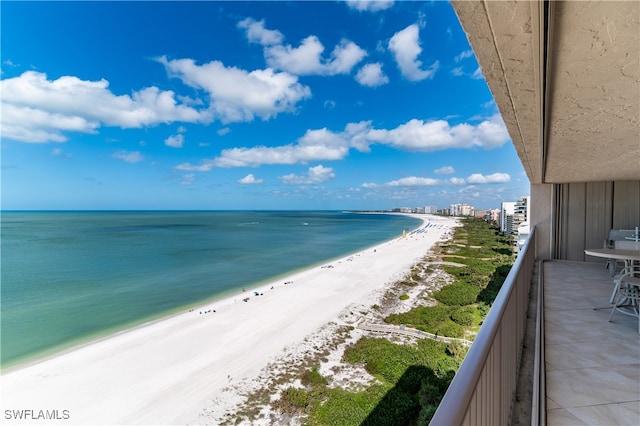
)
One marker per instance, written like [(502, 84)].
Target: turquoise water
[(68, 277)]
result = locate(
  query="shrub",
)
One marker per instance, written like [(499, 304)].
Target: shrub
[(404, 297), (293, 400), (428, 316), (450, 329), (313, 378), (489, 294), (463, 315), (457, 294), (456, 349)]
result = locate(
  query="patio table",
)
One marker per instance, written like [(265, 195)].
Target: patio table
[(628, 256)]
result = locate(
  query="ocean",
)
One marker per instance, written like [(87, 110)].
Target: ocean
[(70, 277)]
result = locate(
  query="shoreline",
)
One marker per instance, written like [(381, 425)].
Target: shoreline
[(76, 342), (169, 370), (224, 299)]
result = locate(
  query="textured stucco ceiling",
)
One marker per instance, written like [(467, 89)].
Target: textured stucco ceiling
[(573, 112)]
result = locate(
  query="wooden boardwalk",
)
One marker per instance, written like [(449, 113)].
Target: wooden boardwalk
[(407, 331)]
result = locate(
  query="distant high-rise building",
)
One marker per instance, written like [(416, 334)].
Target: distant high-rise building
[(494, 215), (521, 211), (521, 218), (513, 215), (463, 209), (506, 217), (482, 214), (430, 209)]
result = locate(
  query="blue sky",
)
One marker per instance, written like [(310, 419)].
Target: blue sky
[(247, 105)]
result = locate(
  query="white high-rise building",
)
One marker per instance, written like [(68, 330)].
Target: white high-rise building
[(430, 209), (506, 217), (463, 209)]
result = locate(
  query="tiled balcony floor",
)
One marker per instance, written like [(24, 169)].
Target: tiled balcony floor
[(592, 365)]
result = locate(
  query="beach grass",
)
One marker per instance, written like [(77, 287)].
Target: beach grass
[(409, 377)]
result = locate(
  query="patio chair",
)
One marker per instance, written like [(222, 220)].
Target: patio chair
[(627, 245), (618, 239), (627, 296)]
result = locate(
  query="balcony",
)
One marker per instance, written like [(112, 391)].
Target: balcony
[(592, 365), (571, 107), (577, 368)]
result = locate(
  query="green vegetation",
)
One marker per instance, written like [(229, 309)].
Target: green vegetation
[(313, 378), (293, 400), (410, 379), (411, 382)]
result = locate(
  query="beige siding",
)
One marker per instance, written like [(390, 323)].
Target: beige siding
[(626, 198), (582, 214), (585, 212)]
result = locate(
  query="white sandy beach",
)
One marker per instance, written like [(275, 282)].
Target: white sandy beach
[(173, 370)]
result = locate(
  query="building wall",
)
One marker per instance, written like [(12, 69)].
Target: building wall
[(541, 214), (573, 216)]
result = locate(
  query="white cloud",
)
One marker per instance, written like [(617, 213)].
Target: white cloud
[(288, 154), (239, 95), (250, 179), (128, 156), (369, 185), (371, 75), (35, 125), (205, 166), (344, 57), (223, 131), (493, 178), (317, 174), (36, 109), (370, 5), (307, 58), (405, 45), (325, 145), (188, 179), (477, 74), (457, 181), (176, 141), (303, 60), (457, 71), (463, 55), (257, 33), (414, 181), (476, 178), (56, 152), (445, 170), (314, 145), (417, 135)]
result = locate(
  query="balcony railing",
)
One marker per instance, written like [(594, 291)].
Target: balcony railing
[(483, 390)]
